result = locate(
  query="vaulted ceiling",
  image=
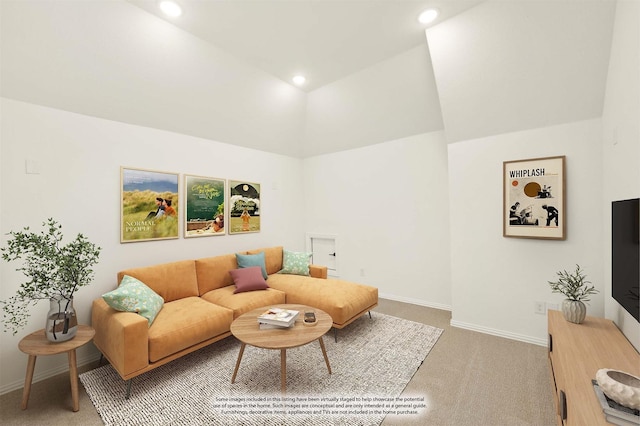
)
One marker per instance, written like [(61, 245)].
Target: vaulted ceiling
[(324, 40), (222, 70)]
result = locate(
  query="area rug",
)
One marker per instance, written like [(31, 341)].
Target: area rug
[(372, 362)]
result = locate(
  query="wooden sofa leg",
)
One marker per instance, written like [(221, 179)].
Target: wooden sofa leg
[(335, 330), (128, 394)]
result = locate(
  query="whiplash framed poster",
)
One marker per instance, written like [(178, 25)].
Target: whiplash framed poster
[(534, 198)]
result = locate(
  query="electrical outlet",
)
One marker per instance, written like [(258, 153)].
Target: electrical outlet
[(32, 167), (540, 308)]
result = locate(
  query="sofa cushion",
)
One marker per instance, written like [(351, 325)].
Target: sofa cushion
[(295, 263), (272, 258), (171, 281), (249, 260), (341, 299), (213, 272), (248, 279), (134, 296), (244, 302), (184, 323)]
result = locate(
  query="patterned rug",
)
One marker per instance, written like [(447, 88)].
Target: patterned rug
[(372, 362)]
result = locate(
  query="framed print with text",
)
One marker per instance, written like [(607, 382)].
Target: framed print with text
[(534, 198), (149, 209), (244, 207), (204, 206)]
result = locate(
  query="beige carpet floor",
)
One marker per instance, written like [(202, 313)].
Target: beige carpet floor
[(469, 379), (371, 365)]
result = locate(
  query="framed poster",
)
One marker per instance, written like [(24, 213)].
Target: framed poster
[(534, 198), (204, 206), (149, 208), (244, 207)]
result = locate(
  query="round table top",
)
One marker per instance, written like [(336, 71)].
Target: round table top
[(36, 343), (246, 329)]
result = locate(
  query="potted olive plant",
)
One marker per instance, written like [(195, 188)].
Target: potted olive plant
[(54, 272), (577, 290)]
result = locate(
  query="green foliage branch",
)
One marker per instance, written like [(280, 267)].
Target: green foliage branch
[(573, 285), (52, 269)]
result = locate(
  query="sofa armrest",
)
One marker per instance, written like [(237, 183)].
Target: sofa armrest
[(317, 271), (122, 337)]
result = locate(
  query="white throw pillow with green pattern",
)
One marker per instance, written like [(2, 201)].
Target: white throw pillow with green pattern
[(134, 296), (295, 263)]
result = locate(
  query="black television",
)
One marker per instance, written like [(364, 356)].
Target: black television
[(625, 255)]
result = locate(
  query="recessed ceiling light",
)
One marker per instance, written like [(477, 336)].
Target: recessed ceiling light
[(428, 16), (299, 80), (170, 8)]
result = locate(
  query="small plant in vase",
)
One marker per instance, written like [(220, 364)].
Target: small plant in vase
[(54, 271), (577, 290)]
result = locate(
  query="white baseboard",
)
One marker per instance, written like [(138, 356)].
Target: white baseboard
[(415, 301), (499, 333), (464, 325), (37, 377)]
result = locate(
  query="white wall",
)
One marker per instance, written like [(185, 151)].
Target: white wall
[(388, 205), (79, 185), (621, 141), (495, 280)]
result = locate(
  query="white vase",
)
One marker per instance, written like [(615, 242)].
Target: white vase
[(574, 311), (62, 323)]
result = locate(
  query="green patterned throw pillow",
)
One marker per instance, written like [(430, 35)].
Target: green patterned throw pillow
[(134, 296), (295, 263)]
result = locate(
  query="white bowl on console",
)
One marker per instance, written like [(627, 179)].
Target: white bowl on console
[(622, 387)]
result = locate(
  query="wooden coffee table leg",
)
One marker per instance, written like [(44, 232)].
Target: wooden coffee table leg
[(31, 365), (324, 353), (73, 376), (283, 370), (233, 378)]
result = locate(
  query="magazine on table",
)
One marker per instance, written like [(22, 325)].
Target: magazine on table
[(278, 316)]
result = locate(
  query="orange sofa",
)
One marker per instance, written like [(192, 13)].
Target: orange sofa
[(200, 305)]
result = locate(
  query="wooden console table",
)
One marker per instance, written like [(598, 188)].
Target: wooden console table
[(576, 353), (36, 344)]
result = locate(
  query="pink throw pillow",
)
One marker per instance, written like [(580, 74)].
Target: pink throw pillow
[(248, 279)]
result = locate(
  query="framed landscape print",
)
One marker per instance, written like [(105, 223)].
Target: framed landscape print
[(534, 198), (244, 207), (149, 208), (204, 206)]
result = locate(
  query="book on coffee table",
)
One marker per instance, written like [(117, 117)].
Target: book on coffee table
[(265, 326), (279, 317)]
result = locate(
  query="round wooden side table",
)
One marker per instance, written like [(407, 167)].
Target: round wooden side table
[(36, 344)]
